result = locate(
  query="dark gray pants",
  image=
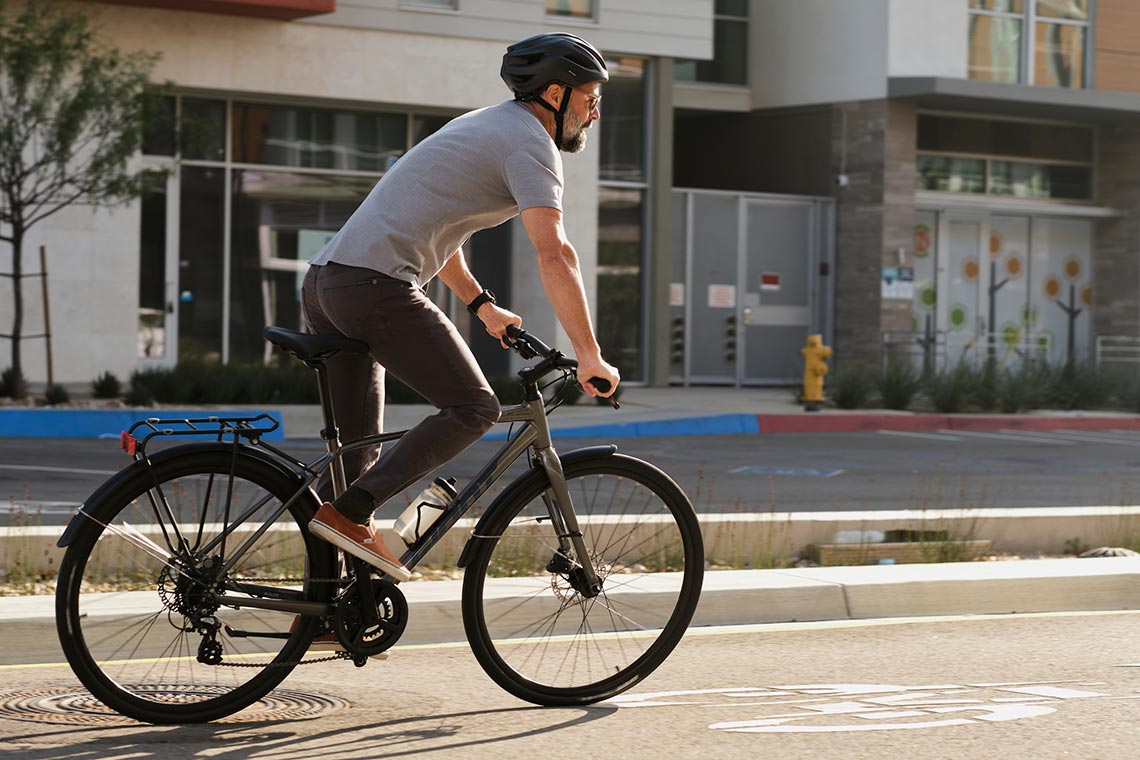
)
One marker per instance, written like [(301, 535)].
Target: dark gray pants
[(410, 337)]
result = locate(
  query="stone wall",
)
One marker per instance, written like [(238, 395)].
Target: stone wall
[(873, 146), (1116, 263)]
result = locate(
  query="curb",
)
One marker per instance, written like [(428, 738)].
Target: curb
[(109, 423), (748, 597)]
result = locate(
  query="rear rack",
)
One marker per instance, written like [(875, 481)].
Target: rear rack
[(220, 427)]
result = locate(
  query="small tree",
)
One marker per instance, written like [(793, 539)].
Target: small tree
[(71, 117)]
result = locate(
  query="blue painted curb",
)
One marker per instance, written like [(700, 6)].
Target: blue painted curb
[(107, 423), (719, 424)]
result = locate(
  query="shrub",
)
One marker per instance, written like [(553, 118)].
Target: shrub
[(56, 394), (899, 383), (1079, 385), (851, 386), (13, 384), (949, 387), (982, 385), (106, 386), (1024, 387)]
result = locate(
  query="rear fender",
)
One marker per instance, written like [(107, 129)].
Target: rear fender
[(125, 476)]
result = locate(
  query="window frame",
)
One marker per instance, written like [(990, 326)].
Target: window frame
[(1027, 55), (989, 158)]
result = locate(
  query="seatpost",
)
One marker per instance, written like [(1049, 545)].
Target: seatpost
[(330, 434)]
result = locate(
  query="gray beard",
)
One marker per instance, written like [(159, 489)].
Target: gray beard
[(575, 144)]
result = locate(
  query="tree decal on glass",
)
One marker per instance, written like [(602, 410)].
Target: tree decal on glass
[(1054, 290), (1012, 265)]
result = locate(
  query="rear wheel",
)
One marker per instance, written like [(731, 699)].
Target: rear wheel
[(529, 618), (138, 614)]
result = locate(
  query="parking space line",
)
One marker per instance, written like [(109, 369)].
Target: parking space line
[(928, 436), (1013, 436)]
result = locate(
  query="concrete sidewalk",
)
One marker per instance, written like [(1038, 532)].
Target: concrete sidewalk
[(708, 410), (733, 597)]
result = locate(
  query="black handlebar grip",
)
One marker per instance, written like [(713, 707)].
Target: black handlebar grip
[(600, 383)]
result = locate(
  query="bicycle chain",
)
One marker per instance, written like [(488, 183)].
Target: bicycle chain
[(342, 655)]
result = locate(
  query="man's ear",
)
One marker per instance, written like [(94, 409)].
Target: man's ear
[(552, 94)]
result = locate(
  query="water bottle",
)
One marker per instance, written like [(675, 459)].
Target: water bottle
[(416, 520)]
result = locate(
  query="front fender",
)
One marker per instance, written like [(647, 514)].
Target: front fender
[(111, 486), (524, 481)]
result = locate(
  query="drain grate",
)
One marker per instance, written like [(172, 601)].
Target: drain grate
[(72, 707)]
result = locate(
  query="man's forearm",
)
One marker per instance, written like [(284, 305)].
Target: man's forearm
[(562, 281)]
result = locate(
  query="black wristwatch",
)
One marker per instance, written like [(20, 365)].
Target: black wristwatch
[(485, 297)]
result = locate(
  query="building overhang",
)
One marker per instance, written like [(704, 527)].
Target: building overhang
[(284, 10), (1019, 100)]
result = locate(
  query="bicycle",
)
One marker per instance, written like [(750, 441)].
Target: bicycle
[(191, 587)]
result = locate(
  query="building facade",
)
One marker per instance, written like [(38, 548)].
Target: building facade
[(954, 177)]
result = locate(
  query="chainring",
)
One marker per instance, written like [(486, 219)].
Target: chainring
[(392, 611)]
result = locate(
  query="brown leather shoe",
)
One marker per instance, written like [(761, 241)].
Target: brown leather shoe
[(361, 541)]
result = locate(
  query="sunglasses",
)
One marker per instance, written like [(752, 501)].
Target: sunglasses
[(592, 101)]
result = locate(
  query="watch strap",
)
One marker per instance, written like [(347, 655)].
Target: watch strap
[(485, 297)]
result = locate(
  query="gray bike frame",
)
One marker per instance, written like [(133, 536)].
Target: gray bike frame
[(535, 432)]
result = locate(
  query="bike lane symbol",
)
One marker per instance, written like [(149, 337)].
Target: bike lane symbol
[(822, 708)]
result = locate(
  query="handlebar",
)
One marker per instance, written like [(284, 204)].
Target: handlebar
[(529, 347)]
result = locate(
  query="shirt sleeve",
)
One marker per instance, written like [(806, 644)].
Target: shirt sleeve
[(533, 174)]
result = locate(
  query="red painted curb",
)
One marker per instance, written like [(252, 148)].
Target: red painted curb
[(815, 422)]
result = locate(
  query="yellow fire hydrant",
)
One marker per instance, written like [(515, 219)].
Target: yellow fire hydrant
[(815, 367)]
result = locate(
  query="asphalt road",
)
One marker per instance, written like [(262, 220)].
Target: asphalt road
[(1015, 687), (726, 473)]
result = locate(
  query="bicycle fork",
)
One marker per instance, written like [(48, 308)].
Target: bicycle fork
[(566, 526)]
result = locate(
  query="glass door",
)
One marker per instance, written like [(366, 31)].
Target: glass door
[(963, 278)]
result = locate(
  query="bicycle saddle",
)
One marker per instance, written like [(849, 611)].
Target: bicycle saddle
[(307, 347)]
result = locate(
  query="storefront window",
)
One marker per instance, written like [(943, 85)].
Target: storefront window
[(1057, 158), (201, 275), (620, 281), (318, 138), (622, 125), (280, 221), (152, 270)]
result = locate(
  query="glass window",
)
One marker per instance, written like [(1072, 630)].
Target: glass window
[(729, 64), (308, 137), (280, 221), (1027, 180), (951, 175), (955, 134), (152, 269), (158, 125), (1077, 10), (1059, 55), (202, 130), (200, 271), (995, 48), (1053, 35), (571, 8), (1014, 6), (622, 126), (620, 285)]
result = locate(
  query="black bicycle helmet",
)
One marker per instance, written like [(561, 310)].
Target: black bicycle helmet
[(530, 65)]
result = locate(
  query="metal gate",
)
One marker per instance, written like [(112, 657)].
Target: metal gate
[(750, 280)]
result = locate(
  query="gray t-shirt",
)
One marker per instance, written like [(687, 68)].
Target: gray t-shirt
[(478, 171)]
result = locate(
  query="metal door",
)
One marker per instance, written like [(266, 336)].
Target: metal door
[(712, 276), (780, 264)]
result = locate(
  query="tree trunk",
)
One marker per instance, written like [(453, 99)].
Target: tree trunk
[(17, 299)]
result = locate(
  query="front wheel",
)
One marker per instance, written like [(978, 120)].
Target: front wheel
[(529, 618)]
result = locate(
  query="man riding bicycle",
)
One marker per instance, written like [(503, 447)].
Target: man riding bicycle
[(478, 171)]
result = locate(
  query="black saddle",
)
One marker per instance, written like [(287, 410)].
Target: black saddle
[(312, 348)]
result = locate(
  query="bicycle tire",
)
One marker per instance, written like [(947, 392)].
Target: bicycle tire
[(644, 537), (121, 608)]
